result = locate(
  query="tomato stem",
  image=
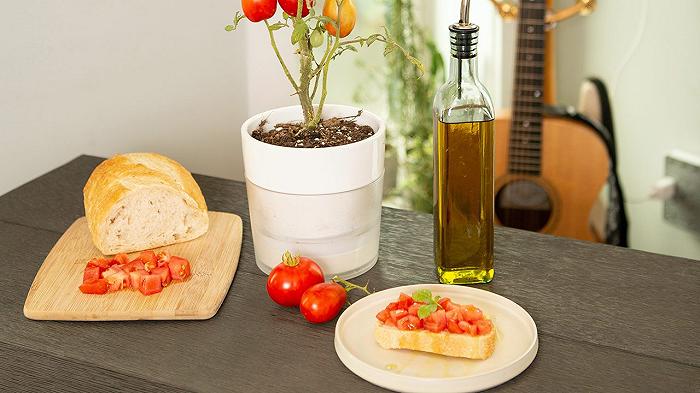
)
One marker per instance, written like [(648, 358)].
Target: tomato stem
[(290, 260), (350, 286)]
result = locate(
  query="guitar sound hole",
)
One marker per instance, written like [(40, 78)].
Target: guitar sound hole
[(523, 204)]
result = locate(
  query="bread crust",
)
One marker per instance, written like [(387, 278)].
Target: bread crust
[(114, 179), (443, 343)]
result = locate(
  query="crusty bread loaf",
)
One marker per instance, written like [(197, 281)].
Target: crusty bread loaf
[(443, 343), (140, 201)]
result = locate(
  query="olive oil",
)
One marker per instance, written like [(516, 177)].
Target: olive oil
[(463, 165), (463, 208)]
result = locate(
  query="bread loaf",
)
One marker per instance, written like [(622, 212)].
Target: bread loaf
[(140, 201), (443, 343)]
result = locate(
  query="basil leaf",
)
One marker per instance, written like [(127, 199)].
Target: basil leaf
[(423, 296), (425, 310)]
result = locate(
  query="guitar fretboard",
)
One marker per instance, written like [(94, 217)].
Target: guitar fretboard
[(525, 144)]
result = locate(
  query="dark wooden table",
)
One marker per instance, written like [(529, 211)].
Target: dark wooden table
[(609, 319)]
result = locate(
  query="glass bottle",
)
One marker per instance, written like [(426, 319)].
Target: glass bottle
[(463, 167)]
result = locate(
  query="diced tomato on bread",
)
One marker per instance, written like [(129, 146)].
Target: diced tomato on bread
[(447, 328), (447, 316)]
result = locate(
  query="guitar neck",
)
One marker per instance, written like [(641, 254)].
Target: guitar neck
[(525, 145)]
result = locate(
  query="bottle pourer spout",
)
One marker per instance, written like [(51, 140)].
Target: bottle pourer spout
[(464, 14), (464, 35)]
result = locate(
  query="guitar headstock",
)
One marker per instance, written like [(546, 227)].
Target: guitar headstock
[(509, 11)]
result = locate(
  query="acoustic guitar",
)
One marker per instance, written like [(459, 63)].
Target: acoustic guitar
[(549, 171)]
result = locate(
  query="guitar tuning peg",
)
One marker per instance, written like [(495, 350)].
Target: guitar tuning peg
[(588, 6)]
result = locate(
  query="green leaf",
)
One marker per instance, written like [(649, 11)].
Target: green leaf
[(390, 46), (417, 63), (425, 310), (371, 39), (351, 48), (300, 30), (277, 26), (236, 20), (423, 296), (324, 19)]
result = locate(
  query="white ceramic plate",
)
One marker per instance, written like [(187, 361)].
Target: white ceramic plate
[(413, 371)]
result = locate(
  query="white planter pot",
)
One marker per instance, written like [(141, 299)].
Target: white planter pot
[(323, 203)]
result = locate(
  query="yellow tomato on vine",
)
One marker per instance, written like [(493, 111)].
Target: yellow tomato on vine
[(348, 16)]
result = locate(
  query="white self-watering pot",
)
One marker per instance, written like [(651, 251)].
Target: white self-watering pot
[(323, 203)]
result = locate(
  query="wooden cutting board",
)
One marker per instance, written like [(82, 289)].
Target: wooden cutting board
[(54, 294)]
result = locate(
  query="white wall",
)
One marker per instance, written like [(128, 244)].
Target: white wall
[(646, 51), (108, 76)]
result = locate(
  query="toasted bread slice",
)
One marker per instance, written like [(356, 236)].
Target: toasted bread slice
[(443, 343)]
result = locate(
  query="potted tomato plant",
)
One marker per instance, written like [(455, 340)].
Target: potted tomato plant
[(314, 171)]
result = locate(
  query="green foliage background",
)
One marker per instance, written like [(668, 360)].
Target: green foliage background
[(410, 102)]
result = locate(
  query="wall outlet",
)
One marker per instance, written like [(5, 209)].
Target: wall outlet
[(683, 209)]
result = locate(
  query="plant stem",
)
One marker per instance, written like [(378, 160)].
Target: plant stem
[(281, 60), (350, 286), (326, 63), (313, 93), (305, 69)]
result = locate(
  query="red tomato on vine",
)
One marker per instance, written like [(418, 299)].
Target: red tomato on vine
[(291, 6), (257, 10)]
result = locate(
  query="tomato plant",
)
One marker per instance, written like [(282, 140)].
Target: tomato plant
[(258, 10), (309, 31), (288, 280)]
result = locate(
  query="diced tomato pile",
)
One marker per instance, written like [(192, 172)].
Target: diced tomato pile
[(148, 273), (449, 316)]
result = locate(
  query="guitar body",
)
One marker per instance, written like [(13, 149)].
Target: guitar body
[(549, 171), (574, 167)]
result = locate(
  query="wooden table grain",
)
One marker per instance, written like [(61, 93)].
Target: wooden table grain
[(609, 319)]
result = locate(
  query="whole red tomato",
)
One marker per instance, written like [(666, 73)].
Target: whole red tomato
[(288, 280), (290, 7), (257, 10), (322, 302)]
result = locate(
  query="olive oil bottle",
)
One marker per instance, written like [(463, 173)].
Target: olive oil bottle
[(463, 165)]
